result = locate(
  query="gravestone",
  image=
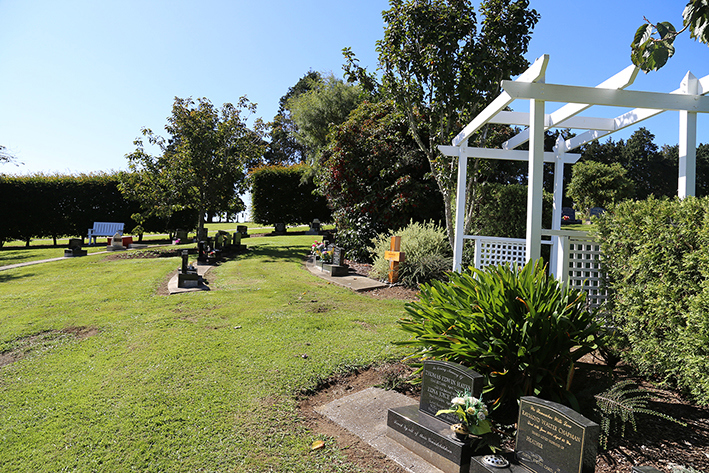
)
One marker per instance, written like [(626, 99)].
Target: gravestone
[(314, 228), (279, 228), (551, 438), (74, 248), (202, 234), (116, 243), (244, 230), (417, 427), (595, 212), (181, 235), (571, 214), (337, 267), (187, 275)]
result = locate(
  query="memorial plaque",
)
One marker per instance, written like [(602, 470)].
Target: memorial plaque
[(337, 256), (441, 382), (552, 438)]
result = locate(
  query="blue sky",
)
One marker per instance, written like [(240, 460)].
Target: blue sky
[(79, 79)]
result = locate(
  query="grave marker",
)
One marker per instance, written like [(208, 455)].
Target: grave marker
[(551, 438), (417, 427), (394, 256)]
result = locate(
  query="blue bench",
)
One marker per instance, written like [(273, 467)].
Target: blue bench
[(104, 229)]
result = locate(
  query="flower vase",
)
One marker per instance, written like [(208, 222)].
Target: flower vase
[(460, 432)]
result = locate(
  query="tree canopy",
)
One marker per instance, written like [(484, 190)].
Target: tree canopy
[(315, 112), (284, 148), (442, 67), (653, 44), (202, 163)]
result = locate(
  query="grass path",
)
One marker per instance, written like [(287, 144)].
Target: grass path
[(191, 382)]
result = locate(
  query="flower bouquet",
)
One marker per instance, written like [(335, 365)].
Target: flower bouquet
[(472, 414), (319, 250)]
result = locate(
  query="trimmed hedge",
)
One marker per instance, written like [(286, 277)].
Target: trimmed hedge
[(280, 195), (52, 206), (656, 255)]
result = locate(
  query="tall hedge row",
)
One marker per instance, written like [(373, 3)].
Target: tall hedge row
[(656, 254), (279, 195), (51, 206)]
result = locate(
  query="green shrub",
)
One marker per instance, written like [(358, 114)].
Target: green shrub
[(519, 328), (427, 254), (656, 256)]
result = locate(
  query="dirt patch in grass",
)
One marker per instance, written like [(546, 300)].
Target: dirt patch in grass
[(43, 341)]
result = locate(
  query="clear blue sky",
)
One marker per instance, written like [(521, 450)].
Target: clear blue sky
[(79, 79)]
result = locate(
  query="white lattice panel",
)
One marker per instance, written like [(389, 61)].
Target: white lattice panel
[(585, 270), (495, 252)]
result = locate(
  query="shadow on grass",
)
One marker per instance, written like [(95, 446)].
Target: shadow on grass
[(275, 254), (8, 276)]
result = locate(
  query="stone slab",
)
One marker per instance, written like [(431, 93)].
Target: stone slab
[(364, 414), (442, 381), (356, 283), (428, 437), (173, 284)]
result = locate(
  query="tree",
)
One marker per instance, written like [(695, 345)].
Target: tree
[(653, 44), (599, 185), (6, 157), (375, 177), (441, 71), (651, 171), (283, 147), (202, 164), (319, 109)]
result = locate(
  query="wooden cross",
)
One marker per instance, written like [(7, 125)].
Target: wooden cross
[(394, 256)]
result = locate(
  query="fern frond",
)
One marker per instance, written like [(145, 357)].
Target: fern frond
[(619, 405)]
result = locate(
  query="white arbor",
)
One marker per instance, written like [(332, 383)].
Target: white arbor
[(688, 100)]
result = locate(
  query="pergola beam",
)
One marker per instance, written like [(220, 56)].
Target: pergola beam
[(503, 154), (630, 118), (606, 97), (564, 115), (583, 123)]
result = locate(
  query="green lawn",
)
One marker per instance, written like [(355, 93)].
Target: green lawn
[(201, 381)]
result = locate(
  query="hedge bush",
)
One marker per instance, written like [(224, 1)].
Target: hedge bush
[(280, 195), (427, 252), (656, 255)]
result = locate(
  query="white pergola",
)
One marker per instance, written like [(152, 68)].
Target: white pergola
[(688, 100)]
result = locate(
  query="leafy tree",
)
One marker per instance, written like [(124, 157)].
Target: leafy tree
[(375, 177), (202, 164), (316, 111), (283, 147), (653, 44), (599, 185), (6, 157), (651, 171), (671, 155), (442, 68)]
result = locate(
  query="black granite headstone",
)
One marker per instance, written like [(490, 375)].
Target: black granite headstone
[(428, 435), (337, 256), (554, 438), (441, 382)]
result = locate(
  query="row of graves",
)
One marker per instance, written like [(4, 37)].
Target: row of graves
[(550, 438), (209, 251)]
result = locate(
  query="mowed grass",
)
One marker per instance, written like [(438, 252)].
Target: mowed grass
[(203, 381)]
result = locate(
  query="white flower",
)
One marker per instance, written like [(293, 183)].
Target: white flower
[(458, 400), (481, 415)]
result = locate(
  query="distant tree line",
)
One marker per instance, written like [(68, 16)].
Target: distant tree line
[(54, 206)]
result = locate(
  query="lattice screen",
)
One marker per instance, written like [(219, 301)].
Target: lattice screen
[(495, 252), (585, 270)]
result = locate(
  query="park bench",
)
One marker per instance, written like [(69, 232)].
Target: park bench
[(104, 229)]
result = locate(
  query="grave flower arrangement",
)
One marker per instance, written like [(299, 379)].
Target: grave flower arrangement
[(472, 414), (319, 249)]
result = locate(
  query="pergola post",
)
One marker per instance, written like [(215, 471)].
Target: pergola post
[(686, 184), (557, 251), (460, 207), (535, 182)]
